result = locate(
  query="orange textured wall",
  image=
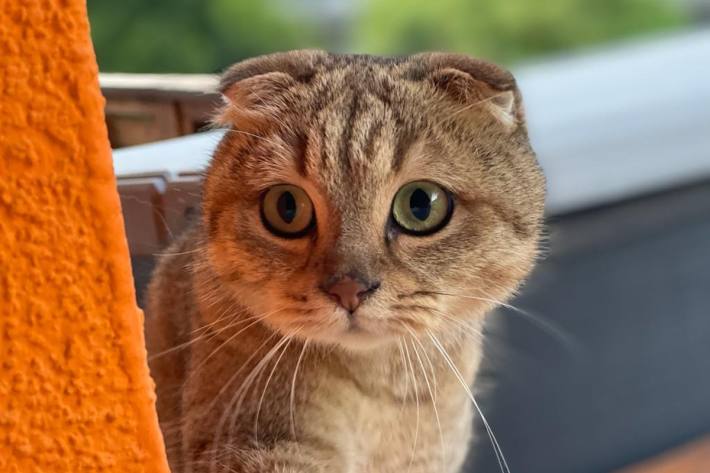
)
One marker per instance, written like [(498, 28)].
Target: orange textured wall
[(75, 394)]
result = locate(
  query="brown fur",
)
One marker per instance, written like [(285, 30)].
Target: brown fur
[(244, 308)]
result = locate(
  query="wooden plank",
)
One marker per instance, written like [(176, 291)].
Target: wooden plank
[(170, 85), (142, 206), (182, 203), (143, 108), (690, 458), (133, 122), (195, 114)]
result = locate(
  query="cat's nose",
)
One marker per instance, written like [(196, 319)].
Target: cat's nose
[(349, 292)]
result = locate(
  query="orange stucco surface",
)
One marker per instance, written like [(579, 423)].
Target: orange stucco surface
[(75, 395)]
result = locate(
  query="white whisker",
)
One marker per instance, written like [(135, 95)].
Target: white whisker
[(546, 326), (266, 385), (502, 463), (233, 336), (406, 376), (237, 372), (416, 399), (292, 397), (238, 397), (431, 396)]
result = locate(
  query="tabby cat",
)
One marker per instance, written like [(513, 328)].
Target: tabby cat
[(359, 218)]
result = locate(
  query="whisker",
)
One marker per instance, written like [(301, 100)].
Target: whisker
[(237, 372), (474, 104), (551, 329), (406, 377), (155, 212), (258, 137), (460, 324), (203, 335), (416, 399), (224, 314), (292, 397), (266, 386), (431, 395), (416, 294), (274, 116), (190, 342), (238, 397), (502, 463), (180, 253), (431, 365), (251, 379), (235, 335)]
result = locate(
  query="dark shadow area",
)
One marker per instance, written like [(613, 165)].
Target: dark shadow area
[(629, 286)]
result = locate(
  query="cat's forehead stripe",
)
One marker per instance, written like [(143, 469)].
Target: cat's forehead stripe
[(405, 140), (345, 151), (373, 134), (302, 144), (352, 128)]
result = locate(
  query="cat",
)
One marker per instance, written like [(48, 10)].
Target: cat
[(359, 218)]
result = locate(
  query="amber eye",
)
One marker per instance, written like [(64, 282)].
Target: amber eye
[(422, 208), (287, 211)]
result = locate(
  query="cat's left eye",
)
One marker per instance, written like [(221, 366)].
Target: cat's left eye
[(422, 208), (287, 211)]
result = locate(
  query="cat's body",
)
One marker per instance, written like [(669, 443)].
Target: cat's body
[(265, 357)]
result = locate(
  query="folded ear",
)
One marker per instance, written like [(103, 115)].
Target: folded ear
[(474, 83), (252, 87)]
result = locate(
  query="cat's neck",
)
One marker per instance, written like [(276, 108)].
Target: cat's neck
[(422, 360)]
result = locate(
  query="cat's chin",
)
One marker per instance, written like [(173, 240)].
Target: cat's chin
[(354, 339)]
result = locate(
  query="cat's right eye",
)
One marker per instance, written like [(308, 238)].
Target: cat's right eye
[(287, 211)]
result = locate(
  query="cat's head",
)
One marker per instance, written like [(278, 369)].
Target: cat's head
[(356, 199)]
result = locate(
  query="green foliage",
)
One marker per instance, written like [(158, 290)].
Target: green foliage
[(506, 30), (208, 35), (189, 35)]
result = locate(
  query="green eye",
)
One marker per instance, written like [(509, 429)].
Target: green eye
[(422, 208), (287, 211)]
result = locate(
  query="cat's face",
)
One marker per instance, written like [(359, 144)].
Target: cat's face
[(355, 200)]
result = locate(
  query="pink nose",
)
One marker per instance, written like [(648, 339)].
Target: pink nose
[(349, 292)]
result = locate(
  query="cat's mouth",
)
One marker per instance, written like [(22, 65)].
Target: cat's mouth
[(352, 322), (332, 324), (354, 325), (359, 332)]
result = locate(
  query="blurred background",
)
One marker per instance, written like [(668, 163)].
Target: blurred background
[(604, 363), (208, 35)]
